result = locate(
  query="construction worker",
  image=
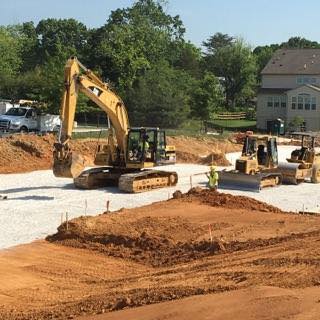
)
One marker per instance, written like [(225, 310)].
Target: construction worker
[(144, 140), (213, 178)]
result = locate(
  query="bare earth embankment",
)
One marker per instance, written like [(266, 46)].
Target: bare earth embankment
[(25, 153), (201, 255)]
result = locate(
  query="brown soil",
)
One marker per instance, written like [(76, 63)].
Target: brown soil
[(217, 199), (202, 150), (24, 153), (202, 244)]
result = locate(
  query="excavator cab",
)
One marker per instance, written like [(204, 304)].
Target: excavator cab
[(147, 148)]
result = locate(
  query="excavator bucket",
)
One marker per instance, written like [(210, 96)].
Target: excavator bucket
[(247, 182), (70, 167)]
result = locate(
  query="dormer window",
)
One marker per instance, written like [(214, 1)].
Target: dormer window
[(306, 80)]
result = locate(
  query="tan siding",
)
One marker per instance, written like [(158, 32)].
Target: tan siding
[(265, 113), (283, 81), (311, 117)]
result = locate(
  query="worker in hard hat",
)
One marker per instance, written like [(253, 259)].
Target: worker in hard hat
[(213, 177)]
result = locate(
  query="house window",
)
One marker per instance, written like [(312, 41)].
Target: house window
[(293, 102), (270, 102), (307, 102), (276, 102), (313, 103), (283, 101), (300, 102), (306, 80)]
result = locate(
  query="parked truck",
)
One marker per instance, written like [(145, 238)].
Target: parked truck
[(26, 119)]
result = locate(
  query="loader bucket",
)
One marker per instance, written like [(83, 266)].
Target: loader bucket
[(239, 181), (70, 167)]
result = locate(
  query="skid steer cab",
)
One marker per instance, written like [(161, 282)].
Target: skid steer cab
[(147, 147)]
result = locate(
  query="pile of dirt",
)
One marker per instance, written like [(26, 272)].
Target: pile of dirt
[(158, 241), (218, 199), (155, 241), (202, 150), (24, 153)]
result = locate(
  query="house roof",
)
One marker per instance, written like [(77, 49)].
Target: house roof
[(294, 61), (283, 90), (273, 90), (306, 85)]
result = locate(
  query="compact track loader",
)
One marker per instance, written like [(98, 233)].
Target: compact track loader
[(304, 163), (256, 168)]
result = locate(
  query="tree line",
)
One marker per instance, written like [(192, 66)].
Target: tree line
[(141, 51)]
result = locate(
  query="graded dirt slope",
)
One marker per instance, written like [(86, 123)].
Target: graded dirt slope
[(198, 245), (24, 153), (254, 303), (203, 150)]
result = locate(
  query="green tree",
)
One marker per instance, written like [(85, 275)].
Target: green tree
[(60, 38), (217, 41), (298, 43), (189, 59), (132, 40), (207, 97), (236, 66), (160, 97), (10, 52)]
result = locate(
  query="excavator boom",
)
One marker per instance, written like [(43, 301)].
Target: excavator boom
[(78, 78)]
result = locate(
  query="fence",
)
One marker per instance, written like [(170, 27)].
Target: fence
[(231, 116)]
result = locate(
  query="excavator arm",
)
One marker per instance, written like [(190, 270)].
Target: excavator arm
[(79, 78)]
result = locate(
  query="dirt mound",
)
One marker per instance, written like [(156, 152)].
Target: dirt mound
[(216, 158), (202, 150), (23, 153), (217, 199), (157, 241)]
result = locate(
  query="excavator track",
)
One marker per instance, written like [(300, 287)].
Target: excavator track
[(132, 182), (255, 182), (147, 180)]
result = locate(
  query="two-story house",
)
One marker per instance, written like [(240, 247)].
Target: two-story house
[(290, 87)]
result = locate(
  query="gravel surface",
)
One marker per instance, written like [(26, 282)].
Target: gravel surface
[(37, 200), (302, 197)]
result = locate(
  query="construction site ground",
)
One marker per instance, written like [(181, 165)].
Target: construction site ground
[(201, 255)]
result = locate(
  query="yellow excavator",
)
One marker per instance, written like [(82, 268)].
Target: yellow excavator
[(257, 166), (304, 162), (127, 156)]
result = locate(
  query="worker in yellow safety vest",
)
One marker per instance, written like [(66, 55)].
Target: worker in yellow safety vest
[(213, 177)]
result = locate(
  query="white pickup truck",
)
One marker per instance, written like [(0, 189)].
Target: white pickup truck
[(25, 119)]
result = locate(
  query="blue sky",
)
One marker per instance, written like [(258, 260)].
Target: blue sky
[(258, 22)]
